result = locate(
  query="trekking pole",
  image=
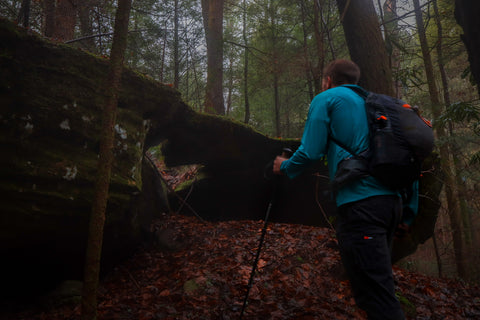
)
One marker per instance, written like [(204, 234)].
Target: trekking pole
[(286, 152)]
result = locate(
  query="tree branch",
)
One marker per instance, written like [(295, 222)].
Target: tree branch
[(101, 35), (405, 14)]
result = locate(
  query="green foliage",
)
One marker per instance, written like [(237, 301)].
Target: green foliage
[(475, 159), (278, 62), (283, 54), (460, 112)]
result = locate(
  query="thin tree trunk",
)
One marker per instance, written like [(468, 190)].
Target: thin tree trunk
[(466, 216), (213, 21), (391, 36), (49, 9), (445, 154), (278, 130), (308, 63), (245, 68), (230, 87), (196, 81), (441, 61), (275, 70), (470, 236), (176, 61), (326, 27), (84, 15), (437, 256), (366, 45), (164, 52), (97, 218), (24, 14), (318, 70)]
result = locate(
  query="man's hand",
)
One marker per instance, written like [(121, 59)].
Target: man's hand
[(277, 163)]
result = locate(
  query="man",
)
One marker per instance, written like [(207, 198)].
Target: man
[(368, 212)]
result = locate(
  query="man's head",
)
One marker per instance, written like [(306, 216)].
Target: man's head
[(340, 72)]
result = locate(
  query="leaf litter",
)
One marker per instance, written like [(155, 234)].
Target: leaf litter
[(203, 274)]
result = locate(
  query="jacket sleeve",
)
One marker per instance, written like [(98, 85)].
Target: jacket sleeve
[(314, 140)]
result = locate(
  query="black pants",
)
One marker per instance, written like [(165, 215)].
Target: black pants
[(365, 232)]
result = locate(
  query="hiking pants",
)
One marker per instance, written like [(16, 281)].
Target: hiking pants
[(365, 232)]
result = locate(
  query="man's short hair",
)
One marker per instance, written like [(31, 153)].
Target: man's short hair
[(342, 71)]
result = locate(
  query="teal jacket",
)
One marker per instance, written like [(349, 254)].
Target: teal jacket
[(338, 112)]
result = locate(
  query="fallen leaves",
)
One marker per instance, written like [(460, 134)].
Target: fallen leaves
[(299, 276)]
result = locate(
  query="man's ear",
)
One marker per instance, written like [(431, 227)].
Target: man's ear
[(327, 83)]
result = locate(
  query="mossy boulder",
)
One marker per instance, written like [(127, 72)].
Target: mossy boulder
[(51, 97)]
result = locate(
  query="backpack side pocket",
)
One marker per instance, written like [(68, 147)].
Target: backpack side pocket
[(349, 170)]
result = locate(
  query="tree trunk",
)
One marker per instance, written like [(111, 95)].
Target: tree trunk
[(275, 70), (278, 131), (440, 59), (176, 62), (469, 234), (212, 11), (445, 154), (326, 28), (24, 14), (164, 53), (65, 20), (390, 24), (437, 256), (230, 87), (466, 14), (245, 67), (307, 63), (49, 9), (318, 71), (86, 27), (97, 218), (366, 45)]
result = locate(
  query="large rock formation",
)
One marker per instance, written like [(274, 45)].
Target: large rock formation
[(50, 101)]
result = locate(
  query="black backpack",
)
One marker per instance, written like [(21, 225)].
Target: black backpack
[(400, 139)]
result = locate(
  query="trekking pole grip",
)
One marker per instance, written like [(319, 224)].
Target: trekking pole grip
[(287, 152)]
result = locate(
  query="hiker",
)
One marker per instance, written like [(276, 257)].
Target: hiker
[(368, 212)]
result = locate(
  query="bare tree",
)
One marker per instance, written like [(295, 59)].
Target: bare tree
[(97, 218)]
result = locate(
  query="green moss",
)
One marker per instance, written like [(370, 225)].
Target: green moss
[(407, 306)]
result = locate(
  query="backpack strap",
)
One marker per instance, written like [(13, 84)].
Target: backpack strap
[(358, 90), (364, 94)]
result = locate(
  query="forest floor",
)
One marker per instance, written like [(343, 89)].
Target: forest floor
[(200, 270), (194, 269)]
